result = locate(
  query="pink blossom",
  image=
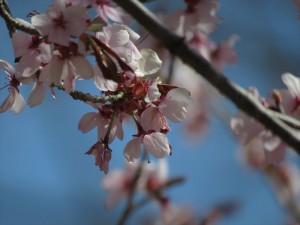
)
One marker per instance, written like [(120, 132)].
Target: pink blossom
[(65, 67), (253, 135), (37, 95), (175, 105), (61, 22), (118, 182), (32, 52), (291, 99), (101, 82), (177, 215), (102, 156), (107, 9), (155, 143), (121, 39), (92, 119), (224, 53), (14, 101)]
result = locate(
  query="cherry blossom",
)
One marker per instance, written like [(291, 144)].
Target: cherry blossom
[(14, 101), (61, 22), (247, 130), (119, 181), (121, 39), (107, 9), (155, 143), (291, 99), (66, 65), (32, 53), (101, 120)]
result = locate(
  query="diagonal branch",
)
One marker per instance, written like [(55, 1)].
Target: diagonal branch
[(12, 23), (239, 96)]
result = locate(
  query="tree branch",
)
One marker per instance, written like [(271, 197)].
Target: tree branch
[(12, 23), (87, 97), (239, 96)]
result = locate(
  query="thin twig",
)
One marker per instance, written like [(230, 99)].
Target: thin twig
[(239, 96), (87, 97)]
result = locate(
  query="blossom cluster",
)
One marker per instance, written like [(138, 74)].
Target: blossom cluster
[(57, 58), (262, 147)]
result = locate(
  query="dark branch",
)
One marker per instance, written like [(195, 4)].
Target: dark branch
[(241, 98), (12, 23)]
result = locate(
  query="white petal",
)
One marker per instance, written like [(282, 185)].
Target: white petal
[(37, 95), (118, 36), (175, 105), (9, 70), (150, 62), (59, 35), (21, 42), (76, 17), (42, 22), (8, 102), (102, 83), (82, 67), (157, 144), (19, 103), (292, 83), (153, 92), (133, 149), (88, 122), (151, 119)]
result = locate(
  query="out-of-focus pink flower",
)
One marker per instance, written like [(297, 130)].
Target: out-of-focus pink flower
[(224, 53), (119, 182), (61, 22), (247, 130), (14, 101), (176, 215)]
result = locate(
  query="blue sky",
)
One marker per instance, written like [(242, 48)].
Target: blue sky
[(45, 178)]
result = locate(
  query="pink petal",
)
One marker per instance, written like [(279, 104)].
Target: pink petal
[(59, 35), (76, 17), (21, 42), (133, 149), (8, 102), (88, 122), (102, 83), (116, 34), (37, 95), (19, 103), (157, 144), (152, 119), (292, 83), (42, 22), (82, 67), (8, 69), (176, 104)]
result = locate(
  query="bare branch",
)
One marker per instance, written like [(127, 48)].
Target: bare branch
[(12, 23), (87, 97), (239, 96)]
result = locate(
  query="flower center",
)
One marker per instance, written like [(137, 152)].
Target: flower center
[(59, 21)]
